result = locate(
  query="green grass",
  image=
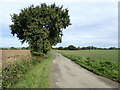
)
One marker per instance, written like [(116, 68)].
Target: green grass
[(101, 62), (99, 55), (31, 74)]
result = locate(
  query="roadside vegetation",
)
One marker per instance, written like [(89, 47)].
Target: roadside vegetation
[(30, 72), (101, 62)]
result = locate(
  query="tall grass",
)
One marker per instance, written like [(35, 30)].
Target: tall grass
[(30, 73)]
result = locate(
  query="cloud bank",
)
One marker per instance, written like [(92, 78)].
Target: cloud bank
[(94, 22)]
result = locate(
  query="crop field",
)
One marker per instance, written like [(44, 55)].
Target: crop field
[(101, 62), (99, 55), (9, 56)]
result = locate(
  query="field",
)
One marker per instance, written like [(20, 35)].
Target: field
[(101, 62), (99, 55), (10, 56)]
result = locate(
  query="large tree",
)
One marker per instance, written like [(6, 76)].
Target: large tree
[(41, 26)]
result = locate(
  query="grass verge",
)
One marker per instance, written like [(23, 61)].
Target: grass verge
[(103, 68), (32, 73)]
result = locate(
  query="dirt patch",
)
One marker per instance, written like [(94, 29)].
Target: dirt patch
[(9, 56)]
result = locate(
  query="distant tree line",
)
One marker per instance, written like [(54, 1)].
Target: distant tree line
[(72, 47), (14, 48)]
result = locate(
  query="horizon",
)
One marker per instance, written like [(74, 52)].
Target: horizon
[(63, 47)]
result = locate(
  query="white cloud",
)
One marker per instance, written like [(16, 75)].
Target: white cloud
[(68, 1), (93, 21), (92, 42), (92, 14)]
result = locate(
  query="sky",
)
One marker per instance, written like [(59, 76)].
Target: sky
[(94, 22)]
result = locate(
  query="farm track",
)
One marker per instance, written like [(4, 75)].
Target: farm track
[(67, 74)]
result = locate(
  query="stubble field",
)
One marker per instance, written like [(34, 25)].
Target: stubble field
[(10, 56)]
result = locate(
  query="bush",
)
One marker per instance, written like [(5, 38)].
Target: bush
[(60, 48), (37, 53), (12, 73), (71, 47)]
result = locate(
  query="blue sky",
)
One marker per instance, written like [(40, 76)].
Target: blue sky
[(94, 22)]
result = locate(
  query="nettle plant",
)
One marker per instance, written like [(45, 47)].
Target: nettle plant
[(40, 26)]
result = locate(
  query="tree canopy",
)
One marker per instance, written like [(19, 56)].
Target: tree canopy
[(41, 26), (71, 47)]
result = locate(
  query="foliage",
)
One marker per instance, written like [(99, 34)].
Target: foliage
[(13, 48), (37, 53), (112, 48), (13, 73), (71, 47), (60, 48), (25, 48), (40, 26), (38, 76)]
